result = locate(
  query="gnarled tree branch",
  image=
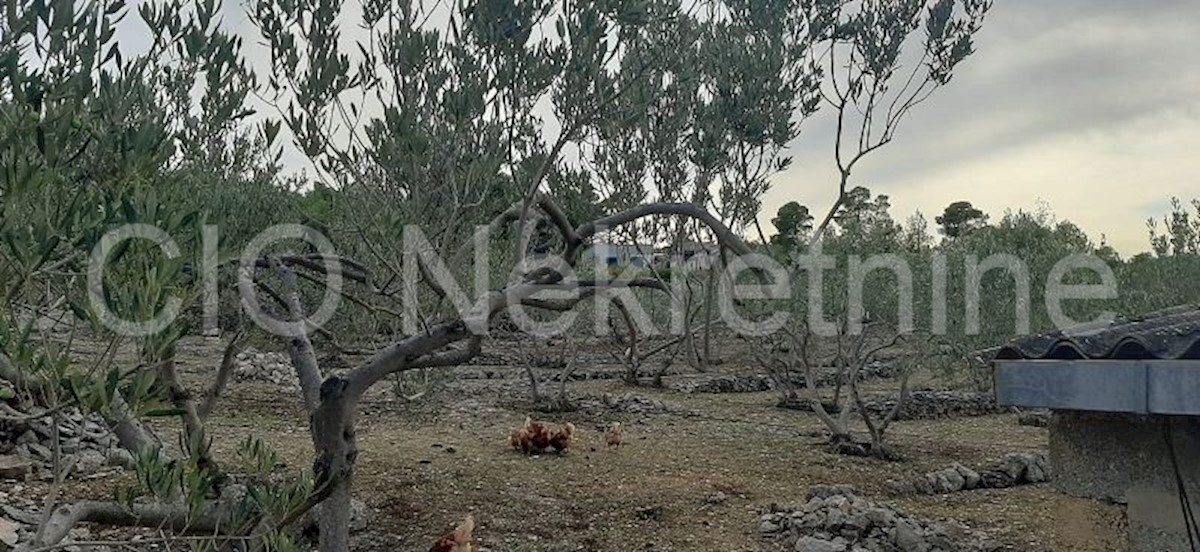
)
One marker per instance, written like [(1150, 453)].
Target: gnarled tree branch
[(224, 372)]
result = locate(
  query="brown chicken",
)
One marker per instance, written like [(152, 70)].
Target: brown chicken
[(535, 437), (520, 437), (562, 438), (458, 540), (614, 435)]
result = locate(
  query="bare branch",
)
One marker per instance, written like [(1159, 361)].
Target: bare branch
[(452, 358), (300, 349), (193, 427), (228, 364), (724, 235)]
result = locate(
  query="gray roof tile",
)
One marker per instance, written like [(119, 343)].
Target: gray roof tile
[(1169, 334)]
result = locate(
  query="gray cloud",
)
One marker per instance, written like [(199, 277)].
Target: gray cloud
[(1088, 105)]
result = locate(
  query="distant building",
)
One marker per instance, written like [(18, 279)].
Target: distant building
[(690, 248), (610, 254), (694, 255)]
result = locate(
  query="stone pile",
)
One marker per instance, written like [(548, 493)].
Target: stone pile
[(1018, 468), (827, 376), (581, 375), (481, 374), (837, 518), (27, 444), (1034, 418), (255, 365), (488, 357)]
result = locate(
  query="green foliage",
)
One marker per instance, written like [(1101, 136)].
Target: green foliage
[(863, 222), (654, 101), (793, 224), (94, 141), (864, 228), (1039, 242), (959, 218), (1149, 283), (1181, 231), (258, 460)]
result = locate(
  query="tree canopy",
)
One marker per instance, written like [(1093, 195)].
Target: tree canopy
[(959, 218)]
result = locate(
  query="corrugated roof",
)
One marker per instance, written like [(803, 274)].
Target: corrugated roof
[(1171, 334)]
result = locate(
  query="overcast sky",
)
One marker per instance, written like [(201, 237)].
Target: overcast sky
[(1091, 106)]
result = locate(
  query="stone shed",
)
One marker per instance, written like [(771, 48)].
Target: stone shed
[(1126, 422)]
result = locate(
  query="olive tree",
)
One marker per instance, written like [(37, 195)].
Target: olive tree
[(94, 135)]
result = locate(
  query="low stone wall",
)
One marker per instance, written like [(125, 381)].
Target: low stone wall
[(923, 405), (1013, 469), (725, 383), (630, 403), (933, 405)]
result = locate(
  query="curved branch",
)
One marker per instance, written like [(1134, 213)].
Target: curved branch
[(587, 288), (452, 358), (317, 263), (725, 236), (10, 372), (402, 354), (300, 349), (557, 216), (213, 520), (279, 300), (228, 363)]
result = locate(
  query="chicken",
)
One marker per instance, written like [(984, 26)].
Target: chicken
[(520, 437), (614, 435), (535, 437), (458, 540), (563, 437), (532, 437)]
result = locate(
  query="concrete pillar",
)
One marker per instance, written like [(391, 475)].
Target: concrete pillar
[(1124, 458)]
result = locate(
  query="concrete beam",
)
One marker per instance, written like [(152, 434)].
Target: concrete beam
[(1128, 386)]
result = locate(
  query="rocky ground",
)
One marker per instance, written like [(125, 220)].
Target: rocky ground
[(698, 471), (931, 404)]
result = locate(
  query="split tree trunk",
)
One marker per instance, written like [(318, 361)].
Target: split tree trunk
[(334, 440)]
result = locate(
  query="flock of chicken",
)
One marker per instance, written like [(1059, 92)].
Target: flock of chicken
[(538, 437), (531, 438)]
